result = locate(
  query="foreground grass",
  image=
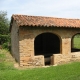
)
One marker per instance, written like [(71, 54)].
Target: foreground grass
[(69, 71), (6, 60)]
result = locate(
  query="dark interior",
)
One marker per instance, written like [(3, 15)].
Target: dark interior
[(47, 44)]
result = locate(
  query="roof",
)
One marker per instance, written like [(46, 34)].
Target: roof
[(39, 21)]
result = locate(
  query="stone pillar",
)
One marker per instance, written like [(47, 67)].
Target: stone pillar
[(26, 48), (66, 46)]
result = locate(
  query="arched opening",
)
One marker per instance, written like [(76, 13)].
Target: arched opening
[(75, 43), (47, 44)]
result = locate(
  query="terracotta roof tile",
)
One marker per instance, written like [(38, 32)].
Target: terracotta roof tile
[(25, 20)]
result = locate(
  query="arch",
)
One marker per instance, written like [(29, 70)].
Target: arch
[(75, 43), (47, 44)]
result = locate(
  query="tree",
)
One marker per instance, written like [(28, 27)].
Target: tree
[(4, 28)]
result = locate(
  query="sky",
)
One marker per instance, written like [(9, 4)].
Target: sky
[(50, 8)]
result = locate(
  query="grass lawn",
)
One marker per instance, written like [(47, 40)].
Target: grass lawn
[(77, 43), (69, 71)]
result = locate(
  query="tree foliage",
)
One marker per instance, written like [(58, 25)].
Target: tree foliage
[(4, 28)]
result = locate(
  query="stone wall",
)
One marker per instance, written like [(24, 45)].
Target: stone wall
[(57, 59), (15, 42), (27, 37), (36, 61)]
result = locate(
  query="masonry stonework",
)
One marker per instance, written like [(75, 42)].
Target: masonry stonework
[(15, 42), (26, 45)]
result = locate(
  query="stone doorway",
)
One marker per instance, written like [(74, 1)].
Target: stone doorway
[(47, 44)]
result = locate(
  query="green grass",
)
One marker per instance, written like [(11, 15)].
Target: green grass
[(69, 71), (6, 60), (77, 43)]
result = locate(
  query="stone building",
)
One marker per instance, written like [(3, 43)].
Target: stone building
[(40, 41)]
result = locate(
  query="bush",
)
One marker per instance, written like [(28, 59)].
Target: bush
[(4, 39), (5, 45)]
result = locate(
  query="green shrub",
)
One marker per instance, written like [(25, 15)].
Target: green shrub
[(5, 45)]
